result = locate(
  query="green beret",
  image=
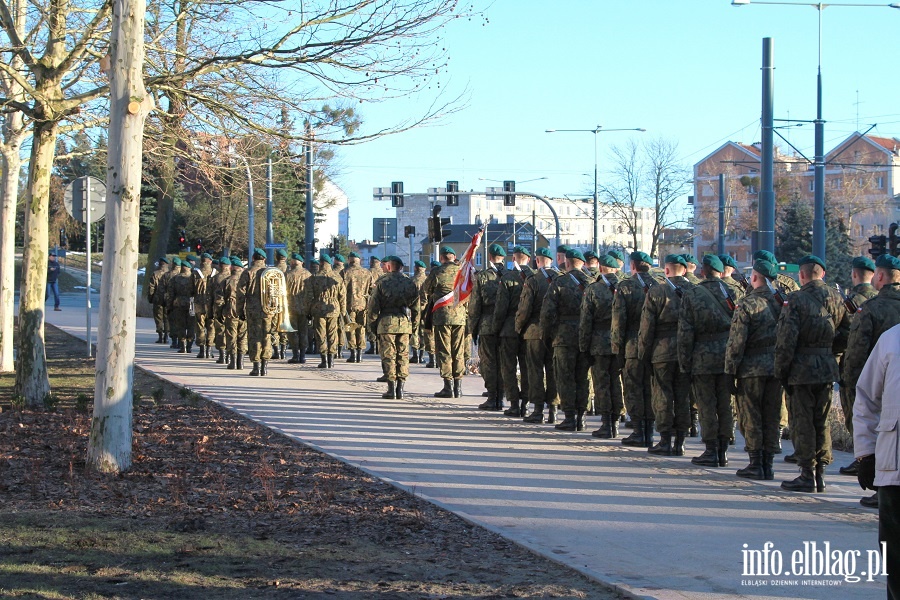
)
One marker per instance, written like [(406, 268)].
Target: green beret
[(728, 261), (325, 257), (588, 254), (562, 249), (340, 258), (296, 256), (176, 261), (448, 250), (616, 254), (765, 268), (575, 254), (545, 252), (259, 253), (712, 261), (811, 259), (354, 255), (281, 252), (206, 255), (522, 250), (435, 263), (163, 259), (608, 261), (765, 255), (315, 262), (496, 250), (641, 257), (236, 261), (216, 261), (863, 262), (691, 259), (675, 259), (419, 264), (886, 261), (374, 259), (190, 258), (395, 259)]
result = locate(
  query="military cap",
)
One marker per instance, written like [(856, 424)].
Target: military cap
[(545, 252), (863, 262), (259, 253), (728, 261), (190, 258), (562, 249), (216, 261), (886, 261), (712, 261), (324, 256), (354, 255), (638, 256), (812, 259), (395, 259), (691, 259), (588, 254), (435, 263), (765, 255), (236, 261), (163, 259), (375, 259), (675, 259), (448, 250), (616, 254), (281, 252), (575, 254), (766, 269), (206, 255), (496, 250), (608, 261), (522, 250), (340, 258), (316, 262), (419, 264), (296, 256), (176, 261)]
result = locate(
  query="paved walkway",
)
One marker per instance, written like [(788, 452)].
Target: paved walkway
[(653, 526)]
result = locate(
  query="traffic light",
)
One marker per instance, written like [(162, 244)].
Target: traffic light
[(182, 239), (879, 245), (63, 238), (409, 231), (452, 196), (434, 224), (445, 232), (397, 194), (199, 245), (509, 197), (893, 240)]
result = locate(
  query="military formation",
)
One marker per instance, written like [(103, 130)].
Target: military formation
[(682, 354)]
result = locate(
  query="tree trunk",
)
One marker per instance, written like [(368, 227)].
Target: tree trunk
[(32, 380), (109, 447)]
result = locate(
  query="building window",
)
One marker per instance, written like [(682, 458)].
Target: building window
[(836, 183), (478, 256), (707, 190), (812, 185), (879, 182)]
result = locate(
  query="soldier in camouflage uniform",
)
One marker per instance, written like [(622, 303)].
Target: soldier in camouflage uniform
[(338, 267), (164, 283), (259, 324), (178, 300), (392, 308), (560, 315), (448, 324), (294, 280), (658, 344), (156, 293), (594, 340), (377, 273), (280, 339), (690, 274), (616, 394), (232, 313), (417, 340), (481, 326), (199, 279), (324, 296), (428, 332), (512, 350), (215, 322), (813, 327), (538, 356), (703, 325), (358, 286), (628, 304), (750, 356)]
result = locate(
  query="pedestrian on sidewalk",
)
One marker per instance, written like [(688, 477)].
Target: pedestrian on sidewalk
[(53, 280)]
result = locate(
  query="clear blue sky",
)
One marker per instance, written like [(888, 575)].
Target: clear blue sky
[(686, 70)]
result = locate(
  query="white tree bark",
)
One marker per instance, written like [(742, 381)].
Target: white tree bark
[(109, 448)]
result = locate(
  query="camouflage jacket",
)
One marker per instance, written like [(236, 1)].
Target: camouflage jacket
[(561, 311), (202, 291), (248, 290), (692, 278), (786, 283), (232, 297), (282, 265), (156, 286), (596, 316), (323, 295), (358, 285), (860, 293), (179, 290), (626, 313), (874, 318), (658, 335), (394, 304), (703, 325), (438, 284), (295, 281), (751, 341), (813, 327), (508, 296), (483, 299), (531, 300), (735, 287), (216, 286)]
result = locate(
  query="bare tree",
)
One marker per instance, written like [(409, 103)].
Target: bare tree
[(624, 195)]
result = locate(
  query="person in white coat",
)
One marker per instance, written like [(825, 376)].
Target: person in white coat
[(876, 421)]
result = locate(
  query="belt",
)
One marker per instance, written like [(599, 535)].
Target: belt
[(758, 350), (815, 351), (713, 337)]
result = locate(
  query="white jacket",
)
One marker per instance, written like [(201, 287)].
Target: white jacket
[(876, 413)]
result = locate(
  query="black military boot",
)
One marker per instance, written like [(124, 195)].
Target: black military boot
[(398, 391), (710, 457), (664, 447), (377, 350), (678, 447), (324, 363), (430, 364), (340, 351), (537, 415), (421, 357), (605, 431), (231, 366), (755, 469), (820, 478), (295, 357), (806, 482), (221, 359), (352, 358), (255, 371), (201, 353), (240, 361), (513, 410), (281, 350), (551, 414), (852, 469), (389, 394), (263, 370), (457, 388), (579, 420), (722, 450), (446, 392), (790, 458), (182, 347), (359, 355), (382, 379), (636, 439), (768, 471), (568, 423), (489, 404), (330, 361), (174, 344), (190, 346), (159, 339), (371, 348), (648, 432), (695, 423), (414, 357)]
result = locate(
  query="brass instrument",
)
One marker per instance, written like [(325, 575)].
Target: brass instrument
[(273, 297)]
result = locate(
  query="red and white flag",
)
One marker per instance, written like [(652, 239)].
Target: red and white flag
[(465, 278)]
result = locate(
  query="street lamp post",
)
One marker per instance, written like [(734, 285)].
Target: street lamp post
[(595, 131), (819, 158), (250, 209)]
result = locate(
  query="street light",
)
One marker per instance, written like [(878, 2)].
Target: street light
[(595, 131), (250, 209), (819, 159)]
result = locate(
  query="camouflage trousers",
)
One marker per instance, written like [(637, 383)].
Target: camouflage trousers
[(236, 336), (809, 406), (259, 339), (427, 340), (450, 353), (512, 356), (571, 367), (159, 318), (200, 326), (326, 334), (607, 386), (356, 330), (848, 399), (181, 323), (394, 350), (216, 333), (489, 363), (541, 378), (712, 393), (671, 402), (298, 339), (759, 402), (637, 388)]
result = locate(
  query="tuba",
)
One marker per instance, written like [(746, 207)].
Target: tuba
[(273, 297)]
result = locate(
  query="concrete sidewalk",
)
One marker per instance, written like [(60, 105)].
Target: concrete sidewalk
[(653, 526)]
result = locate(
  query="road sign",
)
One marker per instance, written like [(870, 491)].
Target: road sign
[(494, 193), (75, 195), (275, 246), (380, 193), (384, 230)]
